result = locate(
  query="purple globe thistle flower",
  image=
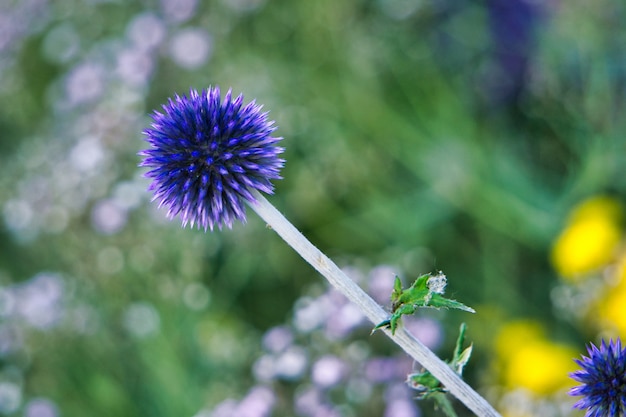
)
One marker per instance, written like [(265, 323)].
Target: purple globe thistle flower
[(603, 376), (208, 154)]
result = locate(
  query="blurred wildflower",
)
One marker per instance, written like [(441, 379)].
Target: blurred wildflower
[(85, 83), (603, 378), (146, 31), (40, 407), (259, 402), (328, 371), (590, 239), (141, 319), (39, 301), (10, 397), (400, 402), (297, 355), (207, 154), (191, 48), (527, 359)]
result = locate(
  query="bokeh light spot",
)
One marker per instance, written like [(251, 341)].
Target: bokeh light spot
[(196, 296), (146, 31), (191, 48), (141, 320)]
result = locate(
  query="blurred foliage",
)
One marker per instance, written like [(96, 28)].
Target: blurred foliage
[(454, 135)]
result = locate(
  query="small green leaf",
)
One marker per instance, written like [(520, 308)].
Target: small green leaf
[(424, 383), (439, 301), (461, 356), (460, 362), (397, 290), (426, 291)]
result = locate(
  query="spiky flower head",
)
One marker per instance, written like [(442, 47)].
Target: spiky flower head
[(207, 154), (603, 378)]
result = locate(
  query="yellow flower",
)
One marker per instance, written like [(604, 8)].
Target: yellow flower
[(526, 359), (590, 238), (541, 367), (515, 333)]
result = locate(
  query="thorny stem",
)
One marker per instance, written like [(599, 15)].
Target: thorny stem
[(416, 349)]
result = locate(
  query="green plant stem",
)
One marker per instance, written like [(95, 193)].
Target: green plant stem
[(370, 308)]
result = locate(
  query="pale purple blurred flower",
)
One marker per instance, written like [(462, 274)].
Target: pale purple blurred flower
[(38, 301), (308, 401), (292, 363), (107, 217), (264, 368), (259, 402), (385, 369), (88, 154), (226, 408), (134, 67), (40, 407), (328, 371), (191, 48), (179, 11), (380, 283), (309, 314), (18, 19), (343, 320), (380, 369), (277, 339), (146, 31), (403, 407), (426, 329), (85, 83), (400, 402)]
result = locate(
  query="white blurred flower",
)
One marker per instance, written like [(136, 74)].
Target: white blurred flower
[(10, 397), (191, 48), (328, 371), (40, 407), (84, 83), (146, 31), (141, 320), (38, 301)]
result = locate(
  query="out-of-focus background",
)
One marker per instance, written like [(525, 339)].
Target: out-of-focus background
[(481, 138)]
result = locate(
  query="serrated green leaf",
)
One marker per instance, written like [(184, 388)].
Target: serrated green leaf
[(405, 302), (460, 341), (423, 382), (439, 301)]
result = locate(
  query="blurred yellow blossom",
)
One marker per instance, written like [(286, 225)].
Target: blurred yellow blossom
[(527, 359), (590, 239), (514, 333)]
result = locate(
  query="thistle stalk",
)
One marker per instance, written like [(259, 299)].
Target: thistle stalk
[(370, 308)]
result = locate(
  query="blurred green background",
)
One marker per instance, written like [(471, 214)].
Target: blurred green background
[(427, 135)]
